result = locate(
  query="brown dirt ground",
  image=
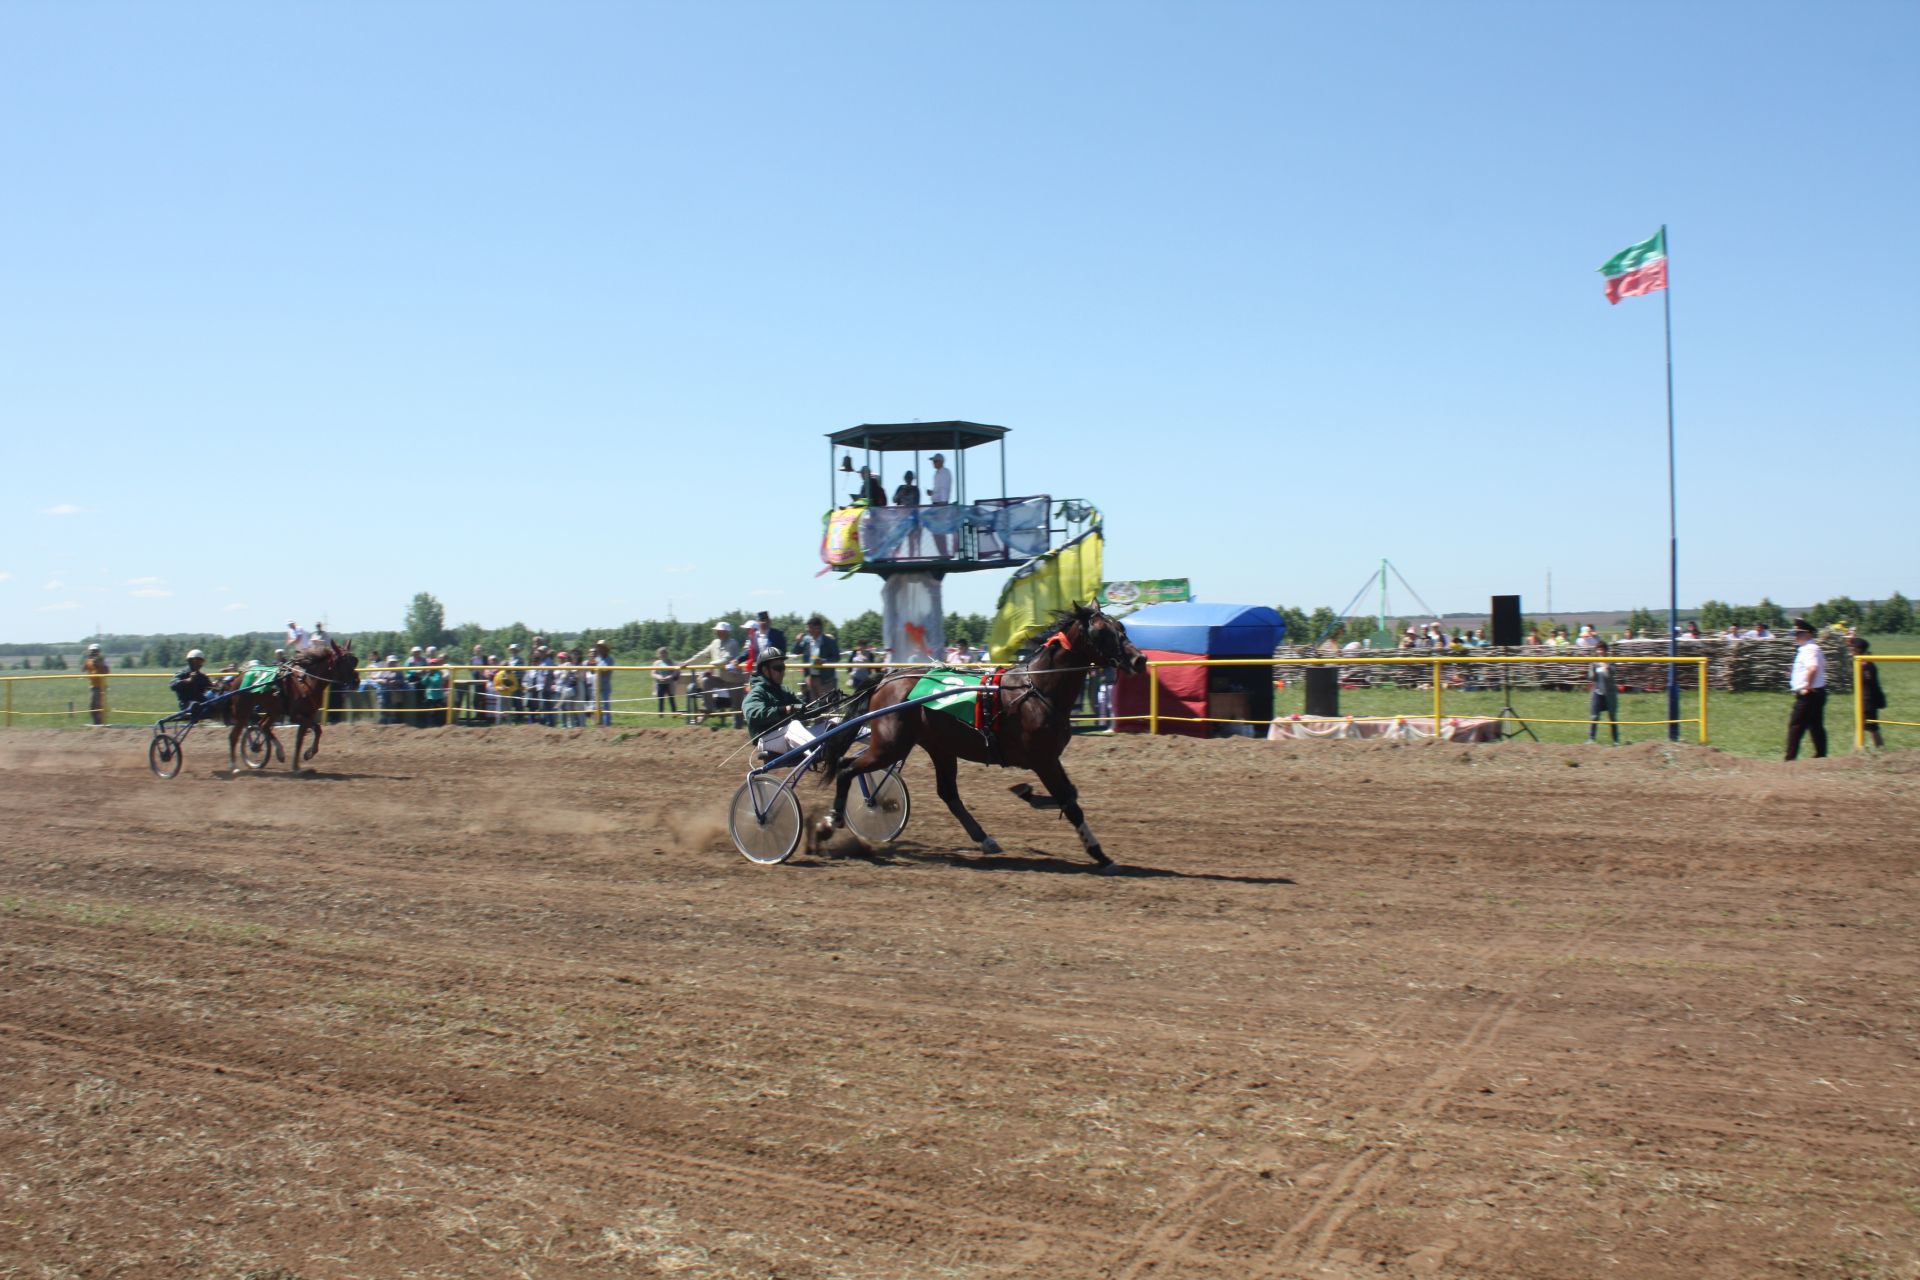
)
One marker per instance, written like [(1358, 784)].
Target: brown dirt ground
[(506, 1003)]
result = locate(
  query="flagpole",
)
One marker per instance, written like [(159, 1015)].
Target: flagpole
[(1673, 513)]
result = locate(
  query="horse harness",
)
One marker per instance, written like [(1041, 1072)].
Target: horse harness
[(991, 708)]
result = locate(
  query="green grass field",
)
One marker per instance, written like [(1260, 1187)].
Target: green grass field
[(1752, 724)]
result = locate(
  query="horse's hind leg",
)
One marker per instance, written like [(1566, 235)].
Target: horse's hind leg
[(313, 750), (946, 779), (299, 736), (1061, 788)]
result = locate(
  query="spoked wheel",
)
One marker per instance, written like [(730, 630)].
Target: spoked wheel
[(878, 818), (164, 756), (770, 838), (256, 748)]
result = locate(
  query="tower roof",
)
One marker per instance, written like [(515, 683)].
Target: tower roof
[(905, 437)]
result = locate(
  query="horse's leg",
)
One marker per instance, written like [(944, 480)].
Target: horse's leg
[(299, 736), (233, 745), (312, 722), (946, 779), (884, 746), (1054, 775)]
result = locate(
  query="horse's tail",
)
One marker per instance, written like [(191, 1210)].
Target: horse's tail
[(839, 744)]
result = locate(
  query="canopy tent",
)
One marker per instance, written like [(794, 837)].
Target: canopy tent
[(1196, 629), (1207, 630)]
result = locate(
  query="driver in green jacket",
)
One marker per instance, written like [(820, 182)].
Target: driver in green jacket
[(769, 702)]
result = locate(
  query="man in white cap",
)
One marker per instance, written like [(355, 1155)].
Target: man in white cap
[(95, 666), (722, 654), (939, 494), (296, 636)]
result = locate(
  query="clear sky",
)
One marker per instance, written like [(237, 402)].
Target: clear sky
[(546, 308)]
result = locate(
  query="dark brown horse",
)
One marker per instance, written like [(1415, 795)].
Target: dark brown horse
[(1029, 727), (296, 696)]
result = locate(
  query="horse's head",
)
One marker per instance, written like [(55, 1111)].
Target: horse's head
[(334, 663), (1099, 639), (346, 666)]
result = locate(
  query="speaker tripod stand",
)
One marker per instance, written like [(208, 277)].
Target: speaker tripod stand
[(1506, 708)]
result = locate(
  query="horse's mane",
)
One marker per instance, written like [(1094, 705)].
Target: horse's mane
[(322, 654), (1064, 618)]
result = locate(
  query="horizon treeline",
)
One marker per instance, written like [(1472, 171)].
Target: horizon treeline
[(633, 643)]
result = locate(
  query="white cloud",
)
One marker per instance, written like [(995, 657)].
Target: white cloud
[(150, 593), (55, 608), (62, 509), (145, 582), (53, 584), (235, 607)]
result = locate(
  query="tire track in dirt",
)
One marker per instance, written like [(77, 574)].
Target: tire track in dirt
[(512, 1139), (1179, 1224)]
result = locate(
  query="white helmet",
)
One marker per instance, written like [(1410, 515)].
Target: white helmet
[(195, 653)]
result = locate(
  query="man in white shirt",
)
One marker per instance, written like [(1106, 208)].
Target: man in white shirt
[(1809, 684), (723, 655), (296, 636), (940, 493)]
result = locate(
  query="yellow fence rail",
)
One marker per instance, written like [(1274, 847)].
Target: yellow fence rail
[(445, 708), (461, 693), (1860, 716)]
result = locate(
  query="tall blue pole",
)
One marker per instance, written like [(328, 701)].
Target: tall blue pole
[(1673, 515)]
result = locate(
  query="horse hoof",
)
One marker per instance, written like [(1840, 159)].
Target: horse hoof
[(1108, 869), (990, 845)]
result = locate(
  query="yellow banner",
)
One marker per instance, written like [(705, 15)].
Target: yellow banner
[(1057, 581)]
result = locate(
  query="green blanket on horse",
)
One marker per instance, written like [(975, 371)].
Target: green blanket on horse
[(259, 678), (941, 679)]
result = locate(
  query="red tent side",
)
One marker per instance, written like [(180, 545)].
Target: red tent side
[(1183, 692)]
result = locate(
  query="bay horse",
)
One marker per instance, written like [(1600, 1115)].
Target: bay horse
[(1028, 717), (296, 695)]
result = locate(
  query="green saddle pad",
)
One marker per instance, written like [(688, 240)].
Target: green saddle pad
[(960, 705), (255, 679)]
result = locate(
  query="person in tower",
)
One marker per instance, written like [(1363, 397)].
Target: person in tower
[(940, 494)]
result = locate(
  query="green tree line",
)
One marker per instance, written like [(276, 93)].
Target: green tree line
[(424, 623)]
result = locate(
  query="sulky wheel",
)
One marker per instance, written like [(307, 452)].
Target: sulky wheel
[(164, 756), (772, 836), (256, 748), (878, 818)]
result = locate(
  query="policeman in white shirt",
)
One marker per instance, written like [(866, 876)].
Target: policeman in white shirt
[(1809, 684), (940, 493)]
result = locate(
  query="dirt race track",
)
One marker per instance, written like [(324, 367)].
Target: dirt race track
[(506, 1003)]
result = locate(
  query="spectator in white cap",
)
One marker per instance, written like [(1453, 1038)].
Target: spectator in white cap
[(940, 493), (95, 665), (416, 657), (296, 635), (722, 654)]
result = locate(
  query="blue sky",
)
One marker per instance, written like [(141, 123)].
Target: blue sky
[(546, 309)]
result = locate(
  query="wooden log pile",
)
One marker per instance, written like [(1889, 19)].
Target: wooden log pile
[(1733, 666)]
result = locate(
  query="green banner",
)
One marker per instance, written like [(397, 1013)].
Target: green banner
[(1125, 597)]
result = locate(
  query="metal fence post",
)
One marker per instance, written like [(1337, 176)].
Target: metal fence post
[(1436, 697), (1153, 697)]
